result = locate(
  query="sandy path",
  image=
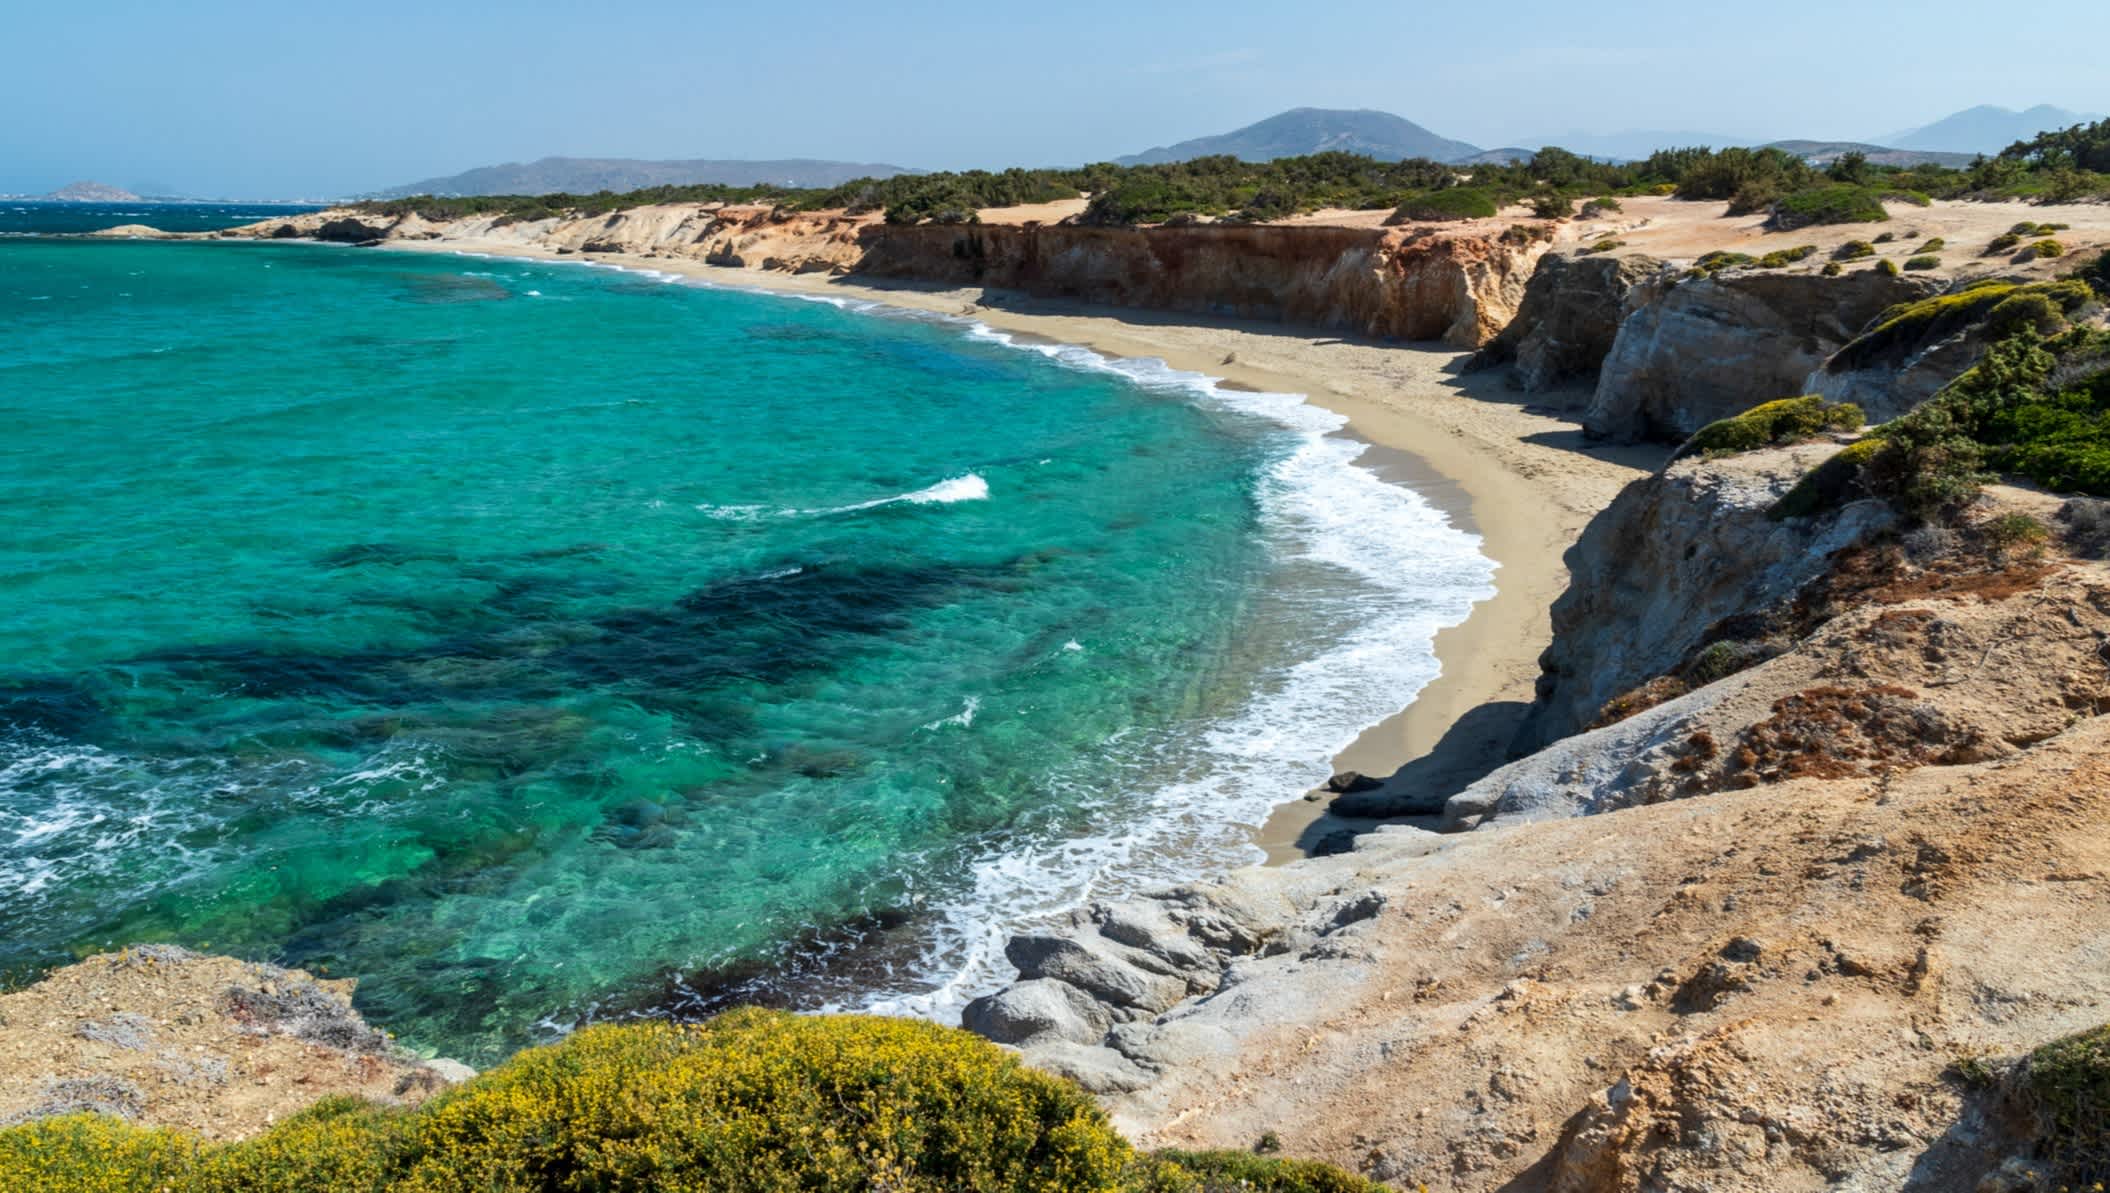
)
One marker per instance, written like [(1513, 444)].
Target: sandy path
[(1520, 477)]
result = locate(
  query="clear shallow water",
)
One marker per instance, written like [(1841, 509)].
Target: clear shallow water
[(535, 641)]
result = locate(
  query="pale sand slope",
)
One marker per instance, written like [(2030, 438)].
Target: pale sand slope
[(1522, 479)]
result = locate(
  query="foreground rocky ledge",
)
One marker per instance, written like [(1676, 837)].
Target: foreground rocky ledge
[(163, 1036)]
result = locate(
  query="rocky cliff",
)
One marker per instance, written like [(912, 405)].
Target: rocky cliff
[(1676, 556), (1425, 283), (1697, 349), (1730, 941), (1568, 320)]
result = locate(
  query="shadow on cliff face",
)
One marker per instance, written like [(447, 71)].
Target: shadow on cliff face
[(1473, 746)]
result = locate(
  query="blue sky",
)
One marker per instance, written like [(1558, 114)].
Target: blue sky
[(232, 98)]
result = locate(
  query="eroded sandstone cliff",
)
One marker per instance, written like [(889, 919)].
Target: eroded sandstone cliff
[(1414, 283)]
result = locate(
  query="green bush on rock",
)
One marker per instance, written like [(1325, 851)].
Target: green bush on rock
[(2066, 1085), (1853, 250), (1924, 262), (1783, 421), (753, 1100)]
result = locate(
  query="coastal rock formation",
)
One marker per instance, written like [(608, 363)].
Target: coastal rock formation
[(1390, 283), (1460, 287), (1569, 317), (1699, 349), (213, 1045), (1651, 577)]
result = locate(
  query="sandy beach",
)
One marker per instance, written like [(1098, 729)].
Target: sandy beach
[(1513, 470)]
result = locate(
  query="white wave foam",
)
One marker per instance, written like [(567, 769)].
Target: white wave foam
[(969, 487), (1374, 570), (963, 718)]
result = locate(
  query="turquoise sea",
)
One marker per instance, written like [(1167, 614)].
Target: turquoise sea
[(538, 641)]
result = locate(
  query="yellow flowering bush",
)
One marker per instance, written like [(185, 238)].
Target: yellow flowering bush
[(751, 1102)]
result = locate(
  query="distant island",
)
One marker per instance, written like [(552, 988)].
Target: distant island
[(591, 175), (90, 192)]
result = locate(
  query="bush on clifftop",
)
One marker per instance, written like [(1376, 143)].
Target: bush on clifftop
[(1784, 421), (753, 1100), (1458, 203), (2066, 1085)]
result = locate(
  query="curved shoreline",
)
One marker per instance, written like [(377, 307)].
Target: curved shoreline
[(1521, 477)]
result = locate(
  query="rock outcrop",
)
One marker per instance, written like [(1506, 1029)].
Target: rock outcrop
[(1389, 283), (216, 1046), (1699, 349), (1675, 555), (1568, 320)]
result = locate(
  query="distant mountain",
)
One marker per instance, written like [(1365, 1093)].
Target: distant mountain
[(1315, 130), (1824, 153), (1986, 129), (585, 175), (90, 192), (1510, 155)]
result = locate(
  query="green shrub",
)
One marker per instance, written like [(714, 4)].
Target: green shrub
[(1758, 194), (2066, 1086), (1886, 237), (2017, 311), (2095, 274), (1887, 266), (1903, 329), (1780, 257), (1456, 203), (1783, 421), (1929, 262), (1829, 485), (2048, 248), (1240, 1172), (1552, 207), (2002, 243), (2032, 407), (1605, 246), (1934, 244), (1853, 250), (1600, 205), (1722, 259), (1835, 204), (751, 1101), (1833, 269), (2009, 531)]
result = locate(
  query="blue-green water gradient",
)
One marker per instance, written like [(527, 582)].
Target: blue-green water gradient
[(532, 641)]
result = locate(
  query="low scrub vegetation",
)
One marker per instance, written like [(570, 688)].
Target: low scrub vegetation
[(2066, 1086), (1836, 204), (1853, 250), (754, 1100), (2032, 407), (1787, 420), (2044, 249), (1926, 261), (1782, 257), (1906, 328), (1458, 203)]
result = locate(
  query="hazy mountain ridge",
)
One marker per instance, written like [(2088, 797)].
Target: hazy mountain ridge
[(1987, 128), (586, 175), (1302, 131)]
